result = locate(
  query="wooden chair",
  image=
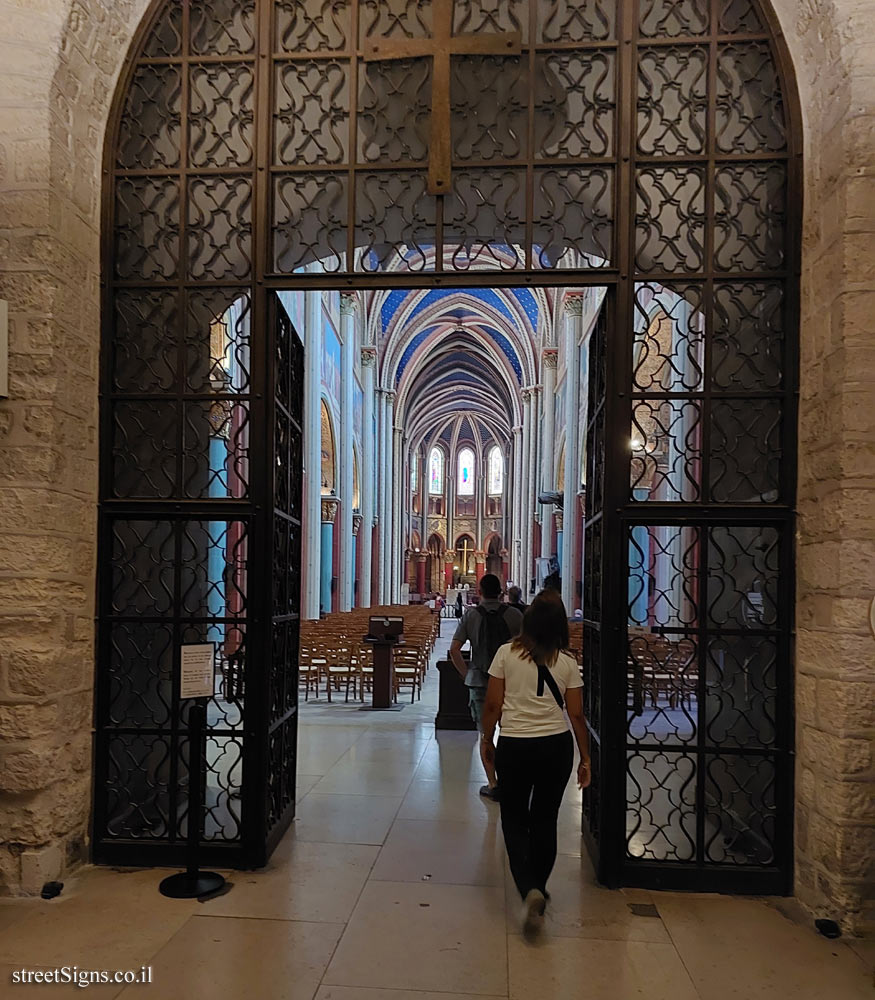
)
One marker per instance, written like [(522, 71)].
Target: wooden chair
[(308, 672), (408, 670)]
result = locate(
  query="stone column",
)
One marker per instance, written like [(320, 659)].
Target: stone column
[(384, 478), (525, 516), (450, 498), (532, 482), (312, 548), (421, 558), (514, 493), (548, 439), (380, 478), (449, 561), (575, 422), (396, 556), (368, 479), (480, 564), (479, 502), (558, 519), (347, 332), (356, 528), (329, 513)]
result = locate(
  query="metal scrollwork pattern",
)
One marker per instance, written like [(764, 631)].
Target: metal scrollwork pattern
[(577, 21), (310, 213), (572, 217), (670, 18), (149, 129), (576, 109), (485, 220), (669, 346), (220, 116), (670, 219), (311, 113), (398, 202), (223, 27), (750, 219), (672, 100), (490, 107)]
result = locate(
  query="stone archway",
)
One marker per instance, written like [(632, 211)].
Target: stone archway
[(51, 281)]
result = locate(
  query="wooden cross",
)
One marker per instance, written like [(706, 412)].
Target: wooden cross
[(441, 47)]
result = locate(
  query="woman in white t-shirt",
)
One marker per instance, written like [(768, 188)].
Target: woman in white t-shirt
[(529, 680)]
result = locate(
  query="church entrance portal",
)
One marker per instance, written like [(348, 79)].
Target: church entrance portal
[(650, 148)]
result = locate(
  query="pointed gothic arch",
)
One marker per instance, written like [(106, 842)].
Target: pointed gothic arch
[(697, 198)]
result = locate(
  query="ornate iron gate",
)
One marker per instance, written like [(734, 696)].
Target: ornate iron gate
[(650, 146)]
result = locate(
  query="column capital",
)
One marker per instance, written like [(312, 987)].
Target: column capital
[(369, 357), (348, 301), (330, 507), (356, 524), (421, 556), (550, 358), (574, 304), (517, 430), (449, 557), (526, 393), (559, 516), (581, 498)]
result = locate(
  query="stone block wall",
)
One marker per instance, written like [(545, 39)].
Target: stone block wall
[(59, 61), (835, 650)]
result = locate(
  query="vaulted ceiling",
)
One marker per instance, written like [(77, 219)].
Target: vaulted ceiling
[(458, 352)]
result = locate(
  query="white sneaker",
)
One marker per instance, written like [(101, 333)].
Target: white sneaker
[(533, 912)]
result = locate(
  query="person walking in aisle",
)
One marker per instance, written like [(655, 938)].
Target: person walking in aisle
[(488, 625), (530, 680), (515, 598)]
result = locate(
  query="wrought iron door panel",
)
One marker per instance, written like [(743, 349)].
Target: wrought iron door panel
[(282, 731)]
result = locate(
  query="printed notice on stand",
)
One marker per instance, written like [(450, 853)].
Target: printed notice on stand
[(196, 670)]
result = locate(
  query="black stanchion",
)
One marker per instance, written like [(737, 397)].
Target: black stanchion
[(193, 882)]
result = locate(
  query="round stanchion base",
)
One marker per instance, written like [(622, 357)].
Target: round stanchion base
[(186, 886)]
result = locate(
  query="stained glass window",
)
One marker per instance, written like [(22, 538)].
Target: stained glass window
[(414, 472), (496, 472), (466, 473), (436, 473)]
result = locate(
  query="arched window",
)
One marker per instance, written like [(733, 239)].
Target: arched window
[(495, 475), (414, 472), (436, 473), (466, 473)]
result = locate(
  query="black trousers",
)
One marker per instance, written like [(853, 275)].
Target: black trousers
[(532, 775)]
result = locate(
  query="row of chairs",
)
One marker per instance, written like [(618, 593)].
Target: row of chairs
[(334, 658), (661, 670)]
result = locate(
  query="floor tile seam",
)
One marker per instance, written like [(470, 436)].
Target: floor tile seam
[(151, 955), (342, 843), (274, 920), (438, 881), (693, 981), (353, 908)]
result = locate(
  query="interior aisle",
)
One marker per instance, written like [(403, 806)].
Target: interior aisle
[(392, 885)]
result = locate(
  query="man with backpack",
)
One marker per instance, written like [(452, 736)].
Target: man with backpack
[(487, 626)]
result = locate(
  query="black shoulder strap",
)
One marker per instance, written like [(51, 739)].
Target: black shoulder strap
[(545, 677)]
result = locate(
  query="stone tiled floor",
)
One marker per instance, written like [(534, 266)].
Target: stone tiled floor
[(392, 885)]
